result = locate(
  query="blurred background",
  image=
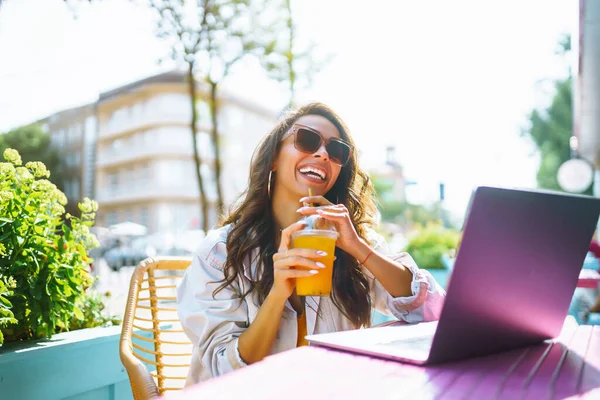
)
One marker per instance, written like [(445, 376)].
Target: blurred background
[(154, 107)]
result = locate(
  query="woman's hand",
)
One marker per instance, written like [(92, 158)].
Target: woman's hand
[(286, 261), (348, 239)]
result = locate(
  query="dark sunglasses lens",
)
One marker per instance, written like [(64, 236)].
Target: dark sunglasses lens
[(307, 141), (338, 152)]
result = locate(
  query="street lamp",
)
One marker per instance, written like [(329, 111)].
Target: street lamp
[(575, 175)]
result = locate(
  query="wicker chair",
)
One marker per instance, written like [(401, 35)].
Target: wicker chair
[(152, 338)]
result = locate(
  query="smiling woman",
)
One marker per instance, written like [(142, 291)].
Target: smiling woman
[(237, 301)]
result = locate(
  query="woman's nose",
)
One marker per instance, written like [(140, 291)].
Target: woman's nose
[(322, 152)]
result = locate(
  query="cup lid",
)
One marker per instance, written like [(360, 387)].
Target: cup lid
[(316, 222)]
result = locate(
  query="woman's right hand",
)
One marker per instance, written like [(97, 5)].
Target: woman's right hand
[(286, 261)]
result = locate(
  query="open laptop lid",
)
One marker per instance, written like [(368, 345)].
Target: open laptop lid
[(515, 271)]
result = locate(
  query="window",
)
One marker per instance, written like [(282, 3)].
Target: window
[(129, 215), (75, 190), (116, 145), (203, 111), (113, 182), (128, 176), (58, 138), (112, 218), (144, 175), (206, 148), (144, 216)]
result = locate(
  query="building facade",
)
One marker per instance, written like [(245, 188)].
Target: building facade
[(75, 131), (586, 86), (145, 171)]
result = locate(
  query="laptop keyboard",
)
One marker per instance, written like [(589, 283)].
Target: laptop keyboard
[(420, 343)]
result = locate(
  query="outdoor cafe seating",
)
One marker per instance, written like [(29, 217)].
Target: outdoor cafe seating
[(567, 367)]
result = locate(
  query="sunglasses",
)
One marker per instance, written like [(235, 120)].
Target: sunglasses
[(307, 140)]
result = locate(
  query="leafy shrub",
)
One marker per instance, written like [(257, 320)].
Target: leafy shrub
[(43, 253), (92, 308), (427, 245)]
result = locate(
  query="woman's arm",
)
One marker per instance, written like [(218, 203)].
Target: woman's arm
[(256, 342), (393, 276), (397, 284)]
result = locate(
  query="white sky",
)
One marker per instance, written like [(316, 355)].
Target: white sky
[(449, 83)]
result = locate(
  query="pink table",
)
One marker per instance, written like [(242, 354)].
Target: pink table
[(588, 278), (566, 368)]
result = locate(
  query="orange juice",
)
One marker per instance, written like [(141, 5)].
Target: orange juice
[(320, 284)]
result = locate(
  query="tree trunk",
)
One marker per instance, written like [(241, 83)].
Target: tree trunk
[(214, 106), (197, 159), (290, 54)]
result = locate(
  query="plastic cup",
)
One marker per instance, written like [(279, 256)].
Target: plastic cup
[(324, 240)]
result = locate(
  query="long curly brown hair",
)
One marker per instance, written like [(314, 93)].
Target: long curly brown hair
[(253, 223)]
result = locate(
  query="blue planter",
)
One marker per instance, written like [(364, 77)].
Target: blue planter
[(440, 276), (82, 364)]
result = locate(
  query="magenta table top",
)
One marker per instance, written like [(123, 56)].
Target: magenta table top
[(566, 368)]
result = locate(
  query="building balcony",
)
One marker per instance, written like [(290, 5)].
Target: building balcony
[(131, 153), (146, 193), (115, 129)]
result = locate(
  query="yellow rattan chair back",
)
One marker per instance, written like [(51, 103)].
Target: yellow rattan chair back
[(153, 348)]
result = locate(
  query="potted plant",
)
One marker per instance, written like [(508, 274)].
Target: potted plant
[(431, 246), (44, 281)]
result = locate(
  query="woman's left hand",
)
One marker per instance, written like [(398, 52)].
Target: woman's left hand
[(338, 214)]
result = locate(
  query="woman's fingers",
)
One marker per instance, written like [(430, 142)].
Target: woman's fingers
[(296, 273), (338, 208), (297, 262), (332, 215), (316, 200), (286, 235), (307, 253)]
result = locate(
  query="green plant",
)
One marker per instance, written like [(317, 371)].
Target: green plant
[(428, 243), (92, 308), (6, 316), (43, 252)]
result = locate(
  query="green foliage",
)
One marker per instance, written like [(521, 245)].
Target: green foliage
[(288, 59), (92, 309), (551, 128), (43, 261), (34, 144), (401, 212), (427, 245), (6, 316)]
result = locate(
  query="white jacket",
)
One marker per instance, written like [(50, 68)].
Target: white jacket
[(214, 324)]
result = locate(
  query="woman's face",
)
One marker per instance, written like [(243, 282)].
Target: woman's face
[(296, 171)]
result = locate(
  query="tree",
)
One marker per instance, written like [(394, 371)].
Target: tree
[(211, 36), (232, 33), (292, 62), (401, 212), (551, 128), (186, 35)]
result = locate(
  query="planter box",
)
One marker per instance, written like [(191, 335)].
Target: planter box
[(82, 364), (441, 276)]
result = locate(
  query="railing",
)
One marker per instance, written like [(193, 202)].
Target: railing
[(127, 194), (131, 152)]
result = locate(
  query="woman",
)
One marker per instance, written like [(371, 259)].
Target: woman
[(237, 302)]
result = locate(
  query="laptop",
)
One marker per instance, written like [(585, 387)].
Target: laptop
[(513, 278)]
